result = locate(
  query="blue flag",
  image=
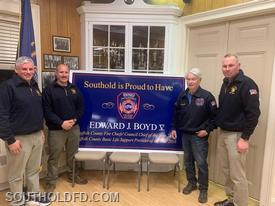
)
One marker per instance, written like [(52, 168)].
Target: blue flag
[(27, 43)]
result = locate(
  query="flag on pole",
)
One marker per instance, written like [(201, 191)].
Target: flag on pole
[(26, 46)]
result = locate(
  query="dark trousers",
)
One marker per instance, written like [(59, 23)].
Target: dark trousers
[(196, 150)]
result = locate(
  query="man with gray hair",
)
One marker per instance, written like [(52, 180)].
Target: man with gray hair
[(21, 127), (194, 116)]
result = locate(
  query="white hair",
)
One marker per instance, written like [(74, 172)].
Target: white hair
[(22, 60), (196, 72)]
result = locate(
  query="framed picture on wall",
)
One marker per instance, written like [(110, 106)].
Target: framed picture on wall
[(72, 62), (47, 78), (51, 61), (61, 44)]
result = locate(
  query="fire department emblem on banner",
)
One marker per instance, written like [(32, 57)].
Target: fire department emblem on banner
[(128, 104)]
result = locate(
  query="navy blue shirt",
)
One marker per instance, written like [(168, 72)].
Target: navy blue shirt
[(198, 114), (21, 110), (60, 104)]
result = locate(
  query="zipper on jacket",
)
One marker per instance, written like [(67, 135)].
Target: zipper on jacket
[(31, 91), (66, 92), (226, 87)]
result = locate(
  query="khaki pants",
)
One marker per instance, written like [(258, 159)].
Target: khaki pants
[(27, 163), (233, 165), (57, 140)]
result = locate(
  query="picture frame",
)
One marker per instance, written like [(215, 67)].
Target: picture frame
[(47, 78), (51, 61), (61, 44), (72, 62)]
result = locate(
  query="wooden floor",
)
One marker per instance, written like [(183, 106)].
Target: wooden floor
[(163, 191)]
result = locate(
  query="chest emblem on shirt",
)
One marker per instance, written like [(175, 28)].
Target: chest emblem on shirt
[(233, 90), (199, 102), (73, 91)]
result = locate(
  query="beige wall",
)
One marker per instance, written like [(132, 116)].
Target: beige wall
[(197, 6)]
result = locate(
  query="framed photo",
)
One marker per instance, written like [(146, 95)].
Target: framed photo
[(61, 44), (47, 78), (51, 61), (72, 62)]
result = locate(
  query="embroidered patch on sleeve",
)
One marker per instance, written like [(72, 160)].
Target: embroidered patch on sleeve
[(253, 92)]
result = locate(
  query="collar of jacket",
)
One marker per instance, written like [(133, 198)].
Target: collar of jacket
[(238, 78), (19, 81), (69, 85), (198, 93)]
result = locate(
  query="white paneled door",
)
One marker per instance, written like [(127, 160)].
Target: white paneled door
[(253, 40)]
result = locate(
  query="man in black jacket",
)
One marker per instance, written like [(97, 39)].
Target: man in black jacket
[(21, 127), (237, 118), (63, 107), (194, 115)]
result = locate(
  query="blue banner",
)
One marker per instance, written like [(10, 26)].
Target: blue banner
[(26, 42), (128, 111)]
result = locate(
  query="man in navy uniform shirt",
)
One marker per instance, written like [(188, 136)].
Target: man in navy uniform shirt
[(63, 107), (21, 127), (237, 118)]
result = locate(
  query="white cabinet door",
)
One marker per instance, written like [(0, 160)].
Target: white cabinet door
[(207, 46), (252, 40)]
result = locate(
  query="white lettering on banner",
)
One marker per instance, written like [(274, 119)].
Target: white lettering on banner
[(100, 85), (141, 126), (128, 126), (106, 125), (159, 87)]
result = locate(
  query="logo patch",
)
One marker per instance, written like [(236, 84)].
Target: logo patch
[(253, 92), (199, 102), (128, 104), (232, 90), (73, 91), (213, 103)]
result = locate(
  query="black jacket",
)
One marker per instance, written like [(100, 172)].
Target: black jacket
[(239, 105), (198, 115), (60, 104), (21, 110)]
